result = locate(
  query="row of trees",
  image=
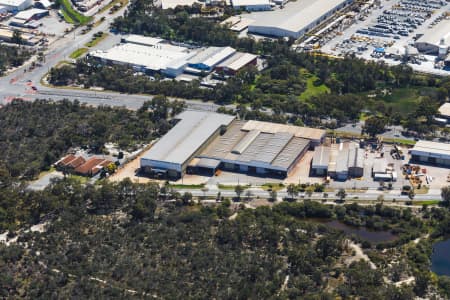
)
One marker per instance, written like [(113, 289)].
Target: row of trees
[(119, 240), (11, 56), (35, 134)]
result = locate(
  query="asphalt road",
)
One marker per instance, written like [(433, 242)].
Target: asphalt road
[(18, 84), (368, 196)]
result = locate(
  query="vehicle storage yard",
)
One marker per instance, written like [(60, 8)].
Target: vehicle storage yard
[(389, 31)]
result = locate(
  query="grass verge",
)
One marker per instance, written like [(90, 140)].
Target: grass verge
[(187, 186), (71, 15), (272, 186), (427, 202), (97, 39), (112, 3), (77, 53)]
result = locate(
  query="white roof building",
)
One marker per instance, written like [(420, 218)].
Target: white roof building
[(237, 61), (16, 5), (166, 4), (141, 40), (28, 14), (174, 150), (251, 5), (209, 58), (157, 58), (296, 18), (426, 150), (433, 39)]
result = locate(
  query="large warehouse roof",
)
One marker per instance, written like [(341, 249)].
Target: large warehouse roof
[(296, 16), (30, 13), (166, 4), (188, 135), (12, 2), (433, 149), (436, 34), (155, 58), (237, 61), (142, 40), (321, 157), (242, 3), (210, 57), (279, 150), (303, 132)]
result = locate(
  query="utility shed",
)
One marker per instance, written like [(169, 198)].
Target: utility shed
[(320, 161), (431, 153), (172, 153)]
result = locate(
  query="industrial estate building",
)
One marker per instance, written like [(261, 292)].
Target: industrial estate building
[(16, 5), (29, 39), (154, 55), (173, 152), (296, 20), (29, 17), (251, 5), (431, 152), (340, 161), (203, 142), (435, 41)]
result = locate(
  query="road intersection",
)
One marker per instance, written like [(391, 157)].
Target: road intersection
[(25, 83)]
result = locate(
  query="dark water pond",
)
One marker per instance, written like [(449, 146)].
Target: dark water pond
[(440, 259), (361, 232)]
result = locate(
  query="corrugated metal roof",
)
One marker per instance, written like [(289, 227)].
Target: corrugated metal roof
[(155, 58), (303, 132), (333, 158), (212, 56), (436, 148), (143, 40), (355, 158), (290, 153), (321, 157), (188, 135), (266, 147), (342, 161), (279, 149), (296, 15), (245, 142), (433, 36), (237, 61)]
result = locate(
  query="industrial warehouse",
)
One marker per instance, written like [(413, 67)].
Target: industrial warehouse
[(203, 142), (340, 161), (296, 19), (154, 55), (431, 152), (435, 41)]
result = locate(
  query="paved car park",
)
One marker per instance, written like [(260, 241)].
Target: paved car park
[(390, 25)]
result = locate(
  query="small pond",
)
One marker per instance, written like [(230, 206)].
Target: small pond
[(440, 259), (361, 232)]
